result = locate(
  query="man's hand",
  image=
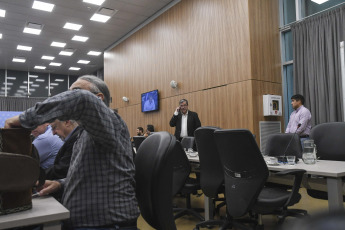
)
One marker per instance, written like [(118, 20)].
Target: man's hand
[(12, 122), (49, 187)]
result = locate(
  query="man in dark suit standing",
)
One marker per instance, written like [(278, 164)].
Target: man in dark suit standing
[(185, 121)]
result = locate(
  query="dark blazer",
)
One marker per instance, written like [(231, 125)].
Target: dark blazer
[(62, 160), (193, 123)]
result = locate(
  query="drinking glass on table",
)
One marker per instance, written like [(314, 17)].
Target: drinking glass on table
[(291, 160)]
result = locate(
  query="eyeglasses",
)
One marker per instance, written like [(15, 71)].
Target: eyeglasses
[(183, 105)]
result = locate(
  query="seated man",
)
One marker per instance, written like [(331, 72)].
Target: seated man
[(149, 130), (69, 132), (46, 144)]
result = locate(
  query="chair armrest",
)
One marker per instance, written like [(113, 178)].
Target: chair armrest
[(298, 174)]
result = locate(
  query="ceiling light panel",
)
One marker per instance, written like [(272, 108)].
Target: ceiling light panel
[(100, 18), (38, 5), (59, 80), (65, 53), (95, 2), (0, 36), (48, 57), (80, 38), (40, 67), (94, 53), (19, 59), (25, 48), (55, 64), (58, 44), (74, 68), (33, 28), (11, 78), (319, 1), (72, 26), (83, 62), (33, 76), (2, 13)]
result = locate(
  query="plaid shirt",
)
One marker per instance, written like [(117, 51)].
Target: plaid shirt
[(99, 188)]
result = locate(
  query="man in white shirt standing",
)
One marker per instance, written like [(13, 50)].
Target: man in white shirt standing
[(185, 121)]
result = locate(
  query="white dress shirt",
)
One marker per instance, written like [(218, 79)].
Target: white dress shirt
[(184, 132)]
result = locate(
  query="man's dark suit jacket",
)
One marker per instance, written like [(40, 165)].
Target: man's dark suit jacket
[(193, 123), (63, 158)]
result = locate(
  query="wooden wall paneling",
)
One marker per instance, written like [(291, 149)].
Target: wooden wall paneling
[(265, 40)]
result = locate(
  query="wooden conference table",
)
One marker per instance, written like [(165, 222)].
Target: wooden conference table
[(45, 210), (333, 171)]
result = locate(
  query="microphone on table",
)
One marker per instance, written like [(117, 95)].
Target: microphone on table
[(287, 147)]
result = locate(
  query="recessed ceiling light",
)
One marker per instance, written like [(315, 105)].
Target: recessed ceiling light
[(33, 28), (2, 13), (83, 62), (74, 68), (94, 53), (72, 26), (40, 80), (0, 36), (26, 48), (23, 87), (100, 18), (11, 78), (55, 64), (48, 57), (33, 76), (38, 5), (319, 1), (59, 80), (19, 59), (35, 85), (54, 84), (95, 2), (9, 83), (80, 38), (58, 44), (40, 67), (66, 53)]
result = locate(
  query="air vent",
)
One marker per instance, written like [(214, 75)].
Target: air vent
[(267, 128)]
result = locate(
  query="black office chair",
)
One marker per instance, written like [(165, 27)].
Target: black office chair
[(188, 142), (286, 144), (330, 145), (154, 180), (245, 173), (191, 185), (211, 171), (137, 141)]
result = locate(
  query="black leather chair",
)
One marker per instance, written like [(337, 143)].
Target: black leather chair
[(188, 142), (245, 173), (330, 145), (154, 180), (281, 144), (137, 141), (191, 185), (211, 171)]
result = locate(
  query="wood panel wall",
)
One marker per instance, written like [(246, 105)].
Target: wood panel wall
[(223, 54)]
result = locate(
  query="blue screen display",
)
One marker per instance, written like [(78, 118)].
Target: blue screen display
[(4, 115), (149, 101)]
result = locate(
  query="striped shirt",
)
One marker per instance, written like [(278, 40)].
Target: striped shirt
[(99, 188)]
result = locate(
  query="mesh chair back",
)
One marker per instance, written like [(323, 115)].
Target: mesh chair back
[(137, 141), (277, 143), (154, 179), (245, 170), (211, 170), (329, 140), (187, 142)]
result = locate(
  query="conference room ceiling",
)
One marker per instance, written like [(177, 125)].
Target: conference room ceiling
[(127, 15)]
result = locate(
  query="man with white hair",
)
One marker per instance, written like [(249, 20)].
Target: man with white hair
[(99, 189)]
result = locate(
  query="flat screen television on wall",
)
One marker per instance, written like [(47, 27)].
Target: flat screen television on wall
[(150, 101)]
